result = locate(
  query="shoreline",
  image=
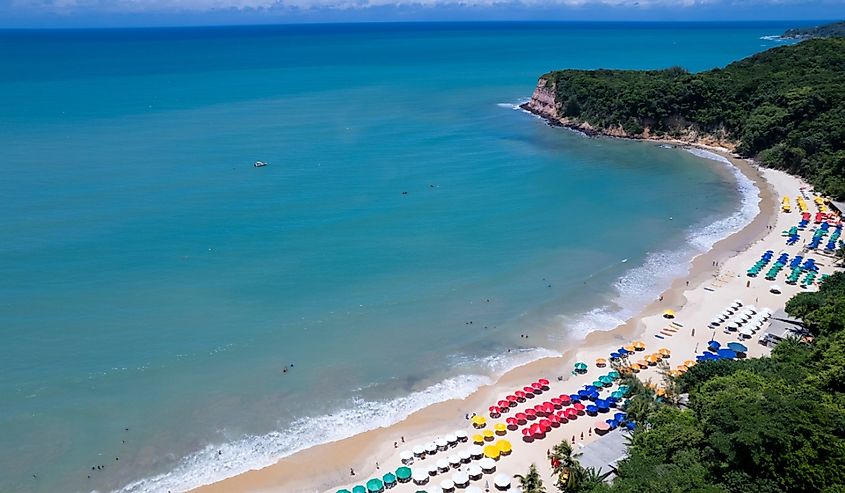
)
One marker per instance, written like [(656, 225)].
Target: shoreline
[(326, 466)]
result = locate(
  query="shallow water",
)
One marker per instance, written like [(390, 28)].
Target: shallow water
[(155, 283)]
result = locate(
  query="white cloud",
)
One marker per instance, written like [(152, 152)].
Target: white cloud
[(77, 6)]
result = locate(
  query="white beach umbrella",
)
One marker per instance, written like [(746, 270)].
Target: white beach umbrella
[(465, 456), (431, 448), (474, 471), (406, 457), (452, 439), (460, 479), (502, 481), (746, 331), (487, 464), (462, 435), (441, 443), (432, 470), (454, 460), (447, 485), (419, 450), (419, 477), (476, 451), (442, 465)]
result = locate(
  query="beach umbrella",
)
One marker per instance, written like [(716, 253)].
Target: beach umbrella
[(630, 348), (601, 426), (528, 390), (556, 402), (714, 344), (520, 395), (419, 451), (454, 460), (638, 345), (474, 471), (746, 331), (406, 456), (622, 351), (500, 428), (359, 489), (492, 451), (451, 439), (726, 353), (689, 363), (441, 443), (512, 421), (613, 374), (431, 448), (601, 362), (737, 347), (420, 477), (531, 413), (592, 409), (502, 481), (460, 479), (478, 438), (511, 400), (578, 406), (664, 352), (487, 464), (447, 485), (389, 479), (488, 435), (375, 485), (597, 383), (403, 474), (476, 451), (617, 394), (479, 421), (565, 399), (615, 355), (543, 381), (504, 446), (606, 380), (343, 491), (442, 465), (503, 404), (669, 314), (580, 366)]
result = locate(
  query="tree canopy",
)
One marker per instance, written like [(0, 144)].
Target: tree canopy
[(784, 106)]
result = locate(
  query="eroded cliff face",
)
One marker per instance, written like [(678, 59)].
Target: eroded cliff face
[(544, 103)]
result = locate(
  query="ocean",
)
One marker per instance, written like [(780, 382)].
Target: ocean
[(173, 315)]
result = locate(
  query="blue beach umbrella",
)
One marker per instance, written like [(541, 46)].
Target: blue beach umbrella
[(583, 393), (602, 404), (574, 398), (631, 425), (726, 353), (739, 348), (615, 355), (591, 409), (714, 344), (593, 396), (619, 416), (590, 388)]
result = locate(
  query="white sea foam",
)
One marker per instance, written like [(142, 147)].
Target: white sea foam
[(254, 452), (640, 285)]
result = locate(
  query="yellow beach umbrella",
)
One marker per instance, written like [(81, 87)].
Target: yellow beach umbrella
[(479, 421), (642, 363), (601, 362), (669, 314), (681, 370), (492, 451), (674, 373), (638, 345), (651, 360), (500, 428), (478, 439), (504, 446), (689, 363), (630, 348), (487, 434), (664, 352)]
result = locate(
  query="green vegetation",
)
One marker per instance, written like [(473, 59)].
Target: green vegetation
[(832, 30), (784, 106), (765, 425)]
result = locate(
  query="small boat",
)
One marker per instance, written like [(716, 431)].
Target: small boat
[(260, 164)]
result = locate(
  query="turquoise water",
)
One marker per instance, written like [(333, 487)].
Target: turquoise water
[(154, 283)]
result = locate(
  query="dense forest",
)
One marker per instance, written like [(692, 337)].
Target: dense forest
[(834, 29), (765, 425), (784, 106)]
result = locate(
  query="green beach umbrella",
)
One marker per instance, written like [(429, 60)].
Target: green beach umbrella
[(389, 478), (375, 485), (598, 383), (614, 374), (580, 365), (606, 380), (403, 473), (343, 491), (617, 394), (359, 489)]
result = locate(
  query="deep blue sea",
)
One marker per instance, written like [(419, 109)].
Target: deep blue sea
[(410, 226)]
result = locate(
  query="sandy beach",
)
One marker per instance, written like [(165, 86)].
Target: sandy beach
[(714, 280)]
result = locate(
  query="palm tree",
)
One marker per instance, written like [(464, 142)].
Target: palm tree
[(566, 469), (531, 482), (592, 478)]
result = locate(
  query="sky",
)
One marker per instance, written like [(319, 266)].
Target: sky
[(133, 13)]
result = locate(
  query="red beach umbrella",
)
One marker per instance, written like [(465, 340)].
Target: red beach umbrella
[(571, 412), (565, 399), (543, 381), (511, 399), (512, 421), (539, 409), (520, 416), (545, 423), (556, 402), (578, 406), (530, 413), (503, 404), (528, 390), (549, 407), (554, 419), (526, 431), (537, 386), (520, 395)]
